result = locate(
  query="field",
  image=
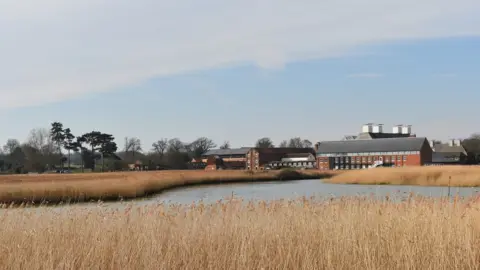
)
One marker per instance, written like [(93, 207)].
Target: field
[(458, 176), (56, 188), (309, 233)]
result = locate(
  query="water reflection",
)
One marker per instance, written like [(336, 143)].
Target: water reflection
[(296, 189), (281, 190)]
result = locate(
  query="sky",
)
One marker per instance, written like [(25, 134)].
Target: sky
[(239, 70)]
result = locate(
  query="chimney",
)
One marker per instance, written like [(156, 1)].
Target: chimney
[(367, 128), (458, 142), (432, 145), (397, 129), (406, 129), (451, 142), (316, 146), (377, 128)]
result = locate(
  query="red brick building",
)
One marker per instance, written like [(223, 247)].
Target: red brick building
[(258, 158), (358, 154)]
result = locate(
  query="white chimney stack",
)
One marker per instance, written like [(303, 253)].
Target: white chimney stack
[(432, 145), (397, 129), (377, 128), (407, 129), (367, 127)]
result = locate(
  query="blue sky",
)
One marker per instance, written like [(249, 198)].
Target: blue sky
[(423, 76)]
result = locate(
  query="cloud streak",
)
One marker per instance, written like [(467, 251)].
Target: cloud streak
[(53, 50)]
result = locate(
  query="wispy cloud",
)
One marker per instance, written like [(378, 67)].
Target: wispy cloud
[(365, 75), (53, 50)]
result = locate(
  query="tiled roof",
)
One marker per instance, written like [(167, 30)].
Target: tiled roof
[(377, 145), (445, 148)]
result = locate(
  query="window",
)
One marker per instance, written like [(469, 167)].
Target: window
[(404, 158), (399, 158)]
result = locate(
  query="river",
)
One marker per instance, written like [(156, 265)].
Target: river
[(293, 190), (285, 190)]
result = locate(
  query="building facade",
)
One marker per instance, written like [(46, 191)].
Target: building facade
[(297, 161), (231, 159), (360, 154), (451, 153), (259, 158)]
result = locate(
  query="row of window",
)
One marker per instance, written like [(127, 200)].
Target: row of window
[(364, 159), (294, 164), (353, 167), (369, 154)]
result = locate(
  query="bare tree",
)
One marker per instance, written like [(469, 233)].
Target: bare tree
[(38, 138), (283, 144), (160, 146), (264, 143), (175, 145), (297, 142), (307, 144), (200, 146), (133, 145), (10, 146), (225, 145)]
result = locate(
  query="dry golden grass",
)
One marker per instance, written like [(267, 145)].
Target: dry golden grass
[(345, 233), (460, 176), (112, 186)]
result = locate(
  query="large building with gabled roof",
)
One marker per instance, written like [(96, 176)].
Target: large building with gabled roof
[(358, 154)]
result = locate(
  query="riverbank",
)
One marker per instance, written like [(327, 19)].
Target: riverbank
[(77, 188), (454, 176), (343, 233)]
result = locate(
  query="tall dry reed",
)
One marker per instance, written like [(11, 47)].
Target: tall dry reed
[(345, 233), (459, 176)]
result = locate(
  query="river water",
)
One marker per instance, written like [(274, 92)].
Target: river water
[(294, 190), (283, 190)]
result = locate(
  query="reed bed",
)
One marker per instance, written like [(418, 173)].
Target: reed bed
[(308, 233), (457, 176), (55, 188)]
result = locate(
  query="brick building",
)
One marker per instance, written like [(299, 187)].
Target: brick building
[(258, 158), (358, 154), (226, 158)]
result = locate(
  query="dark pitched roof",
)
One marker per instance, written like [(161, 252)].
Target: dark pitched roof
[(227, 152), (372, 135), (445, 148), (377, 145)]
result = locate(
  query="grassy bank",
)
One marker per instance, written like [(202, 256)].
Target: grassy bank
[(345, 233), (56, 188), (459, 176)]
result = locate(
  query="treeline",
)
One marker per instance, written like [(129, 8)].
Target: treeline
[(58, 148)]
